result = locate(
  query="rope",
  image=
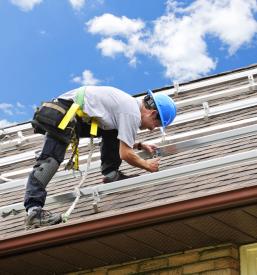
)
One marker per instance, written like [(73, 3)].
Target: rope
[(67, 214)]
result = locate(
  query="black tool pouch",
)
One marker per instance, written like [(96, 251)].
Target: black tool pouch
[(49, 115)]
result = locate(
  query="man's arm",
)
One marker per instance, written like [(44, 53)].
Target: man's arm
[(128, 154), (150, 148)]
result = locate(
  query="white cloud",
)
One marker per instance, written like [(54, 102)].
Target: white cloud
[(43, 32), (6, 108), (4, 123), (87, 78), (26, 5), (110, 47), (12, 109), (232, 21), (19, 105), (179, 47), (77, 4), (110, 25), (179, 38), (116, 28)]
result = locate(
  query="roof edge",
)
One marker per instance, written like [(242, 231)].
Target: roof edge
[(207, 77), (58, 235)]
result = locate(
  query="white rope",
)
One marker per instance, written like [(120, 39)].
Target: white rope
[(67, 214)]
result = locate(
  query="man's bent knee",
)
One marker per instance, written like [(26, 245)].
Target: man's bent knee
[(45, 170)]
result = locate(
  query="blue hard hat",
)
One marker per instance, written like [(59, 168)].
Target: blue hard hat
[(165, 107)]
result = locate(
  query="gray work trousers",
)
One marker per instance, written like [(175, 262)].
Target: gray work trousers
[(35, 193)]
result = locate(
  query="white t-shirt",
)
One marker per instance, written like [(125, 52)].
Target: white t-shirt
[(113, 108)]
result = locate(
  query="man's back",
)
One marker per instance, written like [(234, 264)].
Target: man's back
[(113, 108)]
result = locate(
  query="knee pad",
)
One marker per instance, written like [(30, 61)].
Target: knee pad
[(45, 170)]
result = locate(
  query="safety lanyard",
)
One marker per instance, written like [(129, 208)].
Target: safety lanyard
[(77, 109)]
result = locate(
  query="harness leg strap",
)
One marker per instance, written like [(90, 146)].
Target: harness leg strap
[(94, 127)]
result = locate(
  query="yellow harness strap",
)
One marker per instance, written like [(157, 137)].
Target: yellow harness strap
[(69, 116), (77, 109), (94, 126)]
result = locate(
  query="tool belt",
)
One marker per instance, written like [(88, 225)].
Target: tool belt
[(48, 117)]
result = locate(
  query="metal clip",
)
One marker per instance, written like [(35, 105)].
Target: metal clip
[(96, 198), (157, 153), (206, 110), (176, 87), (251, 79), (21, 137)]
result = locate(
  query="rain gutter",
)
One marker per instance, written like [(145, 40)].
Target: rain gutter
[(74, 231)]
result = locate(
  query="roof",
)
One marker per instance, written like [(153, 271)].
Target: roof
[(206, 184)]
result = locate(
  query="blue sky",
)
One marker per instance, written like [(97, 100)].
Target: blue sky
[(51, 46)]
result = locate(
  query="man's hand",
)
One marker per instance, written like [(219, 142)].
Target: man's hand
[(153, 164), (128, 154), (150, 148)]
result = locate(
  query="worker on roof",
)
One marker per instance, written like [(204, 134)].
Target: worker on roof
[(119, 117)]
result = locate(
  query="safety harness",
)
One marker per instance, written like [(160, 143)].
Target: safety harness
[(77, 109)]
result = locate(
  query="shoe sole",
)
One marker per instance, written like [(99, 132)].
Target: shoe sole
[(38, 225)]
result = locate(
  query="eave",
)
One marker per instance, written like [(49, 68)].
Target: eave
[(58, 235)]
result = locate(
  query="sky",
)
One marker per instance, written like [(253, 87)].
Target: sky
[(48, 47)]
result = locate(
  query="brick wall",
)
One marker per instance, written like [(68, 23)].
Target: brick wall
[(219, 260)]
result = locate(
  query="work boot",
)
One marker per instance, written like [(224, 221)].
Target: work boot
[(117, 175), (39, 218)]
